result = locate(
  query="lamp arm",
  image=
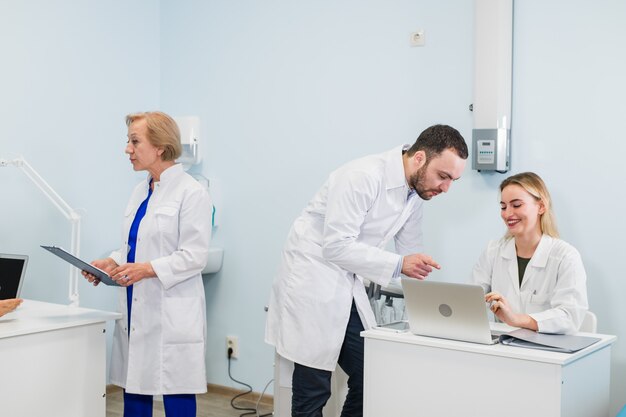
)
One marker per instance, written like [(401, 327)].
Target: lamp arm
[(67, 211)]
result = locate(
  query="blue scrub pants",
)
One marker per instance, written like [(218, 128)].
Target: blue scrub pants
[(176, 405), (311, 386)]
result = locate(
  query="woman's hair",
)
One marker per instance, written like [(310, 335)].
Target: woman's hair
[(162, 132), (535, 186)]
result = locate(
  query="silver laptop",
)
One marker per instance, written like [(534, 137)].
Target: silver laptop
[(12, 272), (447, 310)]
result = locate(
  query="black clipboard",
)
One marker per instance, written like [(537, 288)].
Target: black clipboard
[(82, 265)]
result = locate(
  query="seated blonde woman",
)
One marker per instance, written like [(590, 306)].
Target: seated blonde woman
[(531, 278)]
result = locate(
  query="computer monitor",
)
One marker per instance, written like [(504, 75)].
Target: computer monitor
[(12, 272)]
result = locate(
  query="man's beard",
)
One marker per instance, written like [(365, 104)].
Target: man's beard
[(416, 181)]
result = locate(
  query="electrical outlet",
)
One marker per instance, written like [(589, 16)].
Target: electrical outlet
[(232, 342)]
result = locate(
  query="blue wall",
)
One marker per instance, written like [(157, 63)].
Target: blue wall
[(286, 91), (70, 72)]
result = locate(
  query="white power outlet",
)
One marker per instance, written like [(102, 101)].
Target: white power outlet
[(232, 342)]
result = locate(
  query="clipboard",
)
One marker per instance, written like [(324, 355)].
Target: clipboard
[(82, 265), (552, 342)]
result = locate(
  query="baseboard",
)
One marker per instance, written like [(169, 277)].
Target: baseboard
[(267, 400), (112, 389)]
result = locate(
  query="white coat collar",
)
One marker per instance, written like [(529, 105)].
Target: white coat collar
[(169, 174), (394, 168), (542, 253), (539, 258)]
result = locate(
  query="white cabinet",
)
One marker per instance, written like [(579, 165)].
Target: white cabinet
[(408, 375), (53, 361)]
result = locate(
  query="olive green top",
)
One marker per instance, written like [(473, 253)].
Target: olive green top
[(522, 263)]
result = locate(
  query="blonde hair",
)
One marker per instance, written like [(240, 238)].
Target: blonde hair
[(163, 132), (534, 185)]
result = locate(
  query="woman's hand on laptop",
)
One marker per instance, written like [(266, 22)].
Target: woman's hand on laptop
[(502, 310), (6, 306), (418, 265)]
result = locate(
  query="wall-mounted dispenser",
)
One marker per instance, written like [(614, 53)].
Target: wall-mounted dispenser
[(189, 127), (493, 67)]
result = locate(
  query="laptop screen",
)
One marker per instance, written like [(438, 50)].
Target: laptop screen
[(12, 271)]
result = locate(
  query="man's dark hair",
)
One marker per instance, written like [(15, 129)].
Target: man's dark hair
[(436, 139)]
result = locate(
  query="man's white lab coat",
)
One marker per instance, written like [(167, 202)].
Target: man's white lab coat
[(339, 239)]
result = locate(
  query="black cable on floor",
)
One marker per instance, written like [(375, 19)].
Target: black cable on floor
[(248, 410)]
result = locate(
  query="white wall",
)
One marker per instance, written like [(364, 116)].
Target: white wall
[(286, 92), (569, 104), (70, 71)]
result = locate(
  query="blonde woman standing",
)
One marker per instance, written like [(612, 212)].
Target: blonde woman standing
[(531, 278), (159, 344)]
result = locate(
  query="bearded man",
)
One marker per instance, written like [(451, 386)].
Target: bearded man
[(318, 304)]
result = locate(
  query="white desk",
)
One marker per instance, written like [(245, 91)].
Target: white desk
[(408, 375), (53, 361)]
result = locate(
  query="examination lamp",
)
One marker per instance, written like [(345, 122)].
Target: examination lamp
[(63, 207)]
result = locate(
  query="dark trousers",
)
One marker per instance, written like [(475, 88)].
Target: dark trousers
[(311, 386)]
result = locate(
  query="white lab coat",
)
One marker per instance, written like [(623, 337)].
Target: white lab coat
[(166, 354), (553, 291), (338, 240)]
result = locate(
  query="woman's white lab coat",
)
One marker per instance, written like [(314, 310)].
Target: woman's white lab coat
[(553, 290), (166, 353), (338, 240)]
